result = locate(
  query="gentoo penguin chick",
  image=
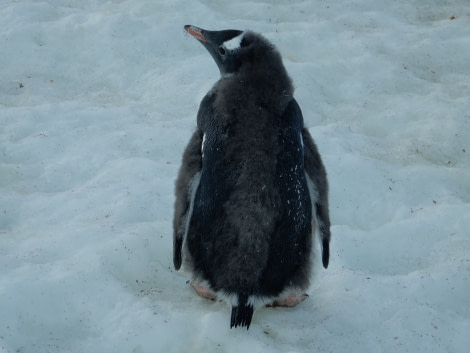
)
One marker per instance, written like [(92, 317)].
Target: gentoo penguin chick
[(252, 188)]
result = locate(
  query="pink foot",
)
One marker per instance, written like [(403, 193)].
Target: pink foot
[(203, 291), (291, 300)]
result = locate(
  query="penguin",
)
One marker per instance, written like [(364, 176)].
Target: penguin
[(252, 190)]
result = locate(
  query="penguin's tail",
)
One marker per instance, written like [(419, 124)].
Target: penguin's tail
[(242, 313)]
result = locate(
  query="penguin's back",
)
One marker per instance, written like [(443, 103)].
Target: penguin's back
[(251, 223)]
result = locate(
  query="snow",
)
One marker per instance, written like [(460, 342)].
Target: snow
[(97, 102)]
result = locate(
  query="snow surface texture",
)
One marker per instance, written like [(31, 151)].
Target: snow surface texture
[(97, 102)]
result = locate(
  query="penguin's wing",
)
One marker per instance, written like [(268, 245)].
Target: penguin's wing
[(318, 186), (315, 174), (186, 184)]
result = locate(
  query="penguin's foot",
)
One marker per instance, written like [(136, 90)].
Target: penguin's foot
[(203, 291), (291, 300)]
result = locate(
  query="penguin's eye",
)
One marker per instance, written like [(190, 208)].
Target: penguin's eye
[(221, 50)]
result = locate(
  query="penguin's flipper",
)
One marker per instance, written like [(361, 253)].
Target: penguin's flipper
[(185, 191), (318, 185)]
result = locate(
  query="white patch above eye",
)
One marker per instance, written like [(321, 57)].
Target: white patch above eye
[(235, 42)]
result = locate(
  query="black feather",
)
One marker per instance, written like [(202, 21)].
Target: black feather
[(241, 316), (242, 313)]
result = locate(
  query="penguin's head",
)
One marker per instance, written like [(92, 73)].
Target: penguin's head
[(232, 49)]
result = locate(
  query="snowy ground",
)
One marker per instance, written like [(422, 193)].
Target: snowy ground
[(97, 101)]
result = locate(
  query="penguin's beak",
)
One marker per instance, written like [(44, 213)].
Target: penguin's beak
[(196, 32)]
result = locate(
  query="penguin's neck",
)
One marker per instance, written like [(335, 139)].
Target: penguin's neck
[(270, 88)]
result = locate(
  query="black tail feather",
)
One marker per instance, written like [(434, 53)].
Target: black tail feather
[(241, 315), (243, 312)]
